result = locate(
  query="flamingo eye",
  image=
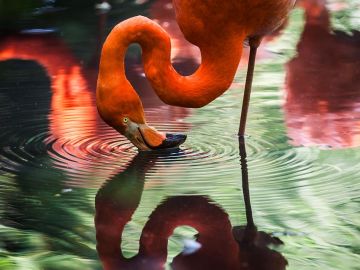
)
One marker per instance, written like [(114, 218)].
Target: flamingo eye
[(125, 120)]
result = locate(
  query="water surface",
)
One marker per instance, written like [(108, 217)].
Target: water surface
[(302, 144)]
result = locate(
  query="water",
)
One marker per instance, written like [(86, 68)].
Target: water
[(57, 156)]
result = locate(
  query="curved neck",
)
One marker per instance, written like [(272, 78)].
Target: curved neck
[(211, 222), (220, 59), (116, 202)]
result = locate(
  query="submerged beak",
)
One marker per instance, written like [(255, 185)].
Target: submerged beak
[(147, 138)]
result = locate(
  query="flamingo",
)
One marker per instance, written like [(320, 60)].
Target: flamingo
[(218, 28)]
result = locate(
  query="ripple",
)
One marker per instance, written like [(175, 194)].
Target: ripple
[(90, 152)]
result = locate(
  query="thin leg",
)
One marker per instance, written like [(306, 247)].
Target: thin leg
[(245, 183), (254, 44)]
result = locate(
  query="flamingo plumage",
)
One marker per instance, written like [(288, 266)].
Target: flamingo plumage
[(218, 28)]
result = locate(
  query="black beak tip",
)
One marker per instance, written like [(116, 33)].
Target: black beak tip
[(172, 141)]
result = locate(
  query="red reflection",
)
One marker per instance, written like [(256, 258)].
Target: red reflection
[(71, 98), (75, 130), (73, 115), (322, 102), (222, 247)]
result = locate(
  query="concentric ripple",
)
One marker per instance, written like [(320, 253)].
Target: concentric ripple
[(90, 152)]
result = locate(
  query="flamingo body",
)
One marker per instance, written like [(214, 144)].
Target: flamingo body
[(218, 28), (207, 21)]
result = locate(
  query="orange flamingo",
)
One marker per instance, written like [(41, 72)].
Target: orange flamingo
[(219, 35)]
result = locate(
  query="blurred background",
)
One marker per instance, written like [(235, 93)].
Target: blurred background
[(56, 154)]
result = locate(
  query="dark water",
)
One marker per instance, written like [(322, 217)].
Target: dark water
[(61, 165)]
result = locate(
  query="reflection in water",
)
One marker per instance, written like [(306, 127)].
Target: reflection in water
[(71, 99), (322, 104), (222, 247), (252, 242)]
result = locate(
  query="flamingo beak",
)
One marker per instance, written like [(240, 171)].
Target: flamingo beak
[(147, 138)]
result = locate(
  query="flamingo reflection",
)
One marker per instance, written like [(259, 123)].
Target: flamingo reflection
[(71, 98), (221, 245), (322, 93)]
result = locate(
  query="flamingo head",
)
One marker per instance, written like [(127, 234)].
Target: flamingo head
[(126, 115), (148, 138), (139, 133)]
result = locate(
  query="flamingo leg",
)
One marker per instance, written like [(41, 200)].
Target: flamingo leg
[(254, 43), (245, 183)]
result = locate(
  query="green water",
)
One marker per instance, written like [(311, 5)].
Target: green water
[(302, 143)]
